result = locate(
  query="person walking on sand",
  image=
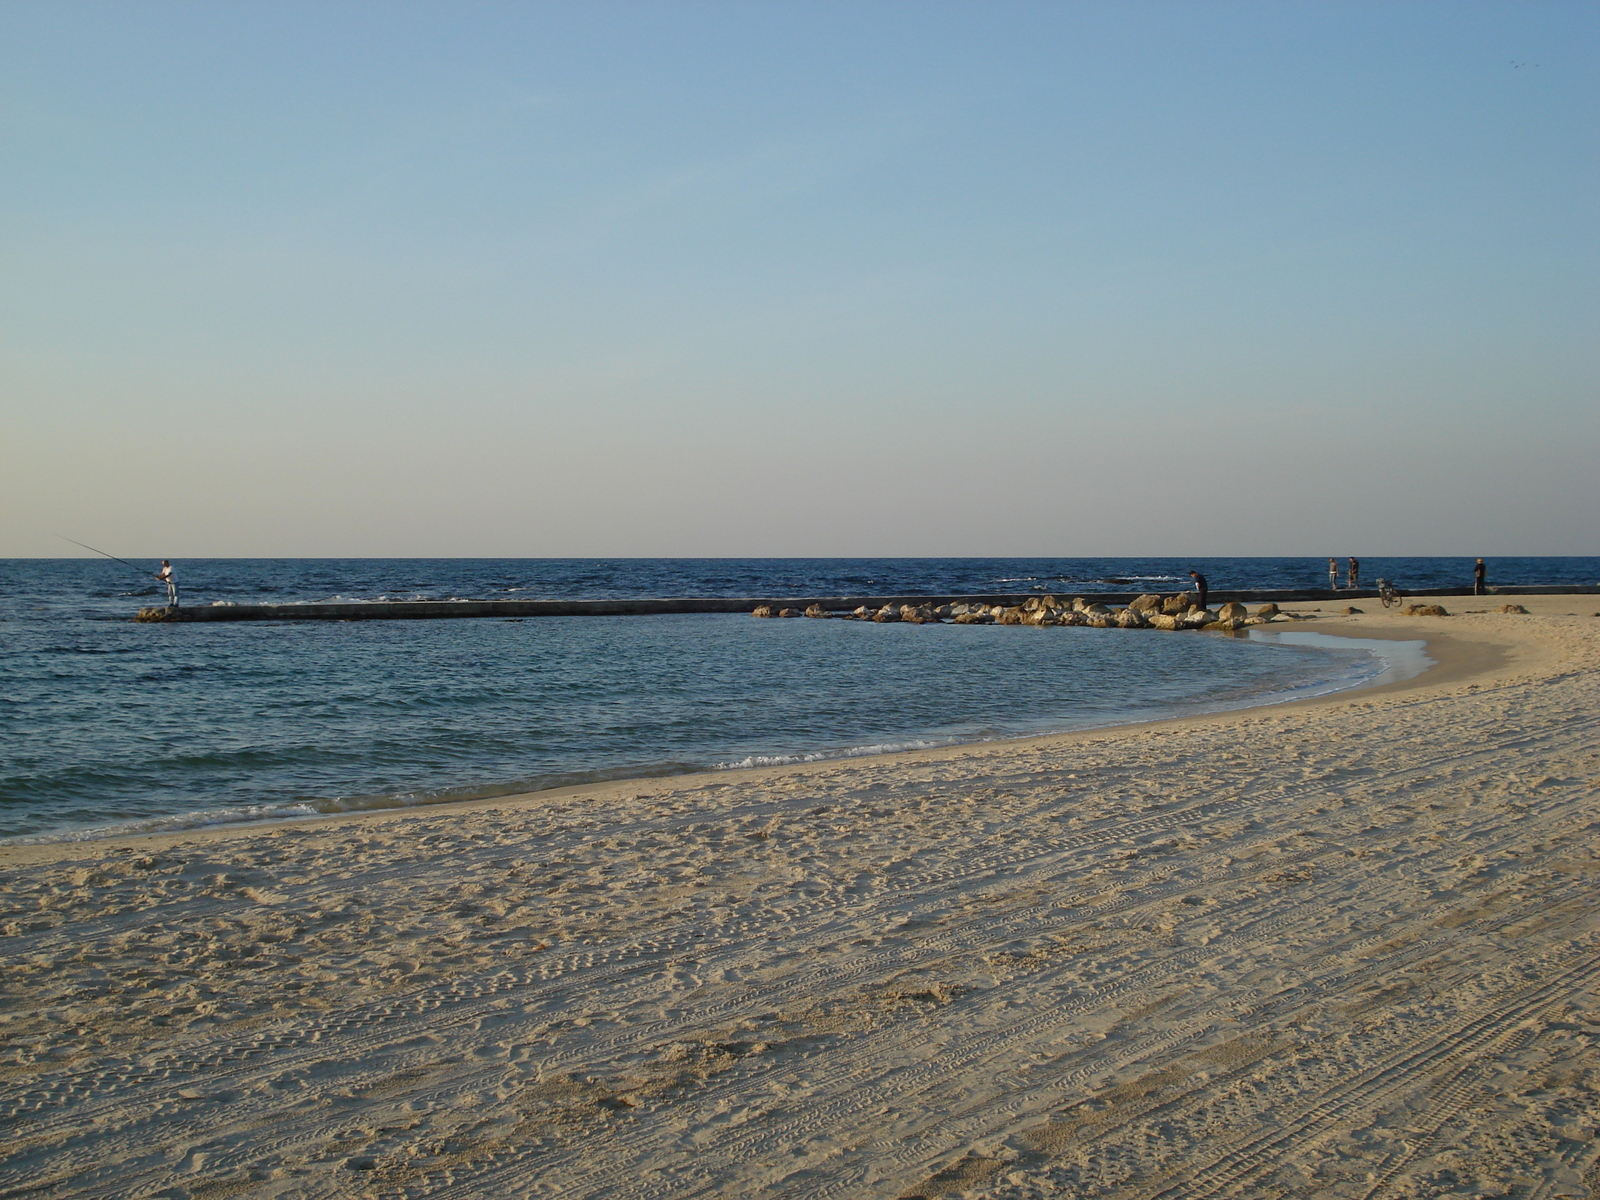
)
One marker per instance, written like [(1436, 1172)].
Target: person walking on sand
[(1478, 572), (1333, 575), (1355, 573), (1199, 586), (169, 577)]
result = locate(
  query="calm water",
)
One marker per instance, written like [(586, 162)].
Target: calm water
[(106, 724)]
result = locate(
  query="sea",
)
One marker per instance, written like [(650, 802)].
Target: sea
[(110, 727)]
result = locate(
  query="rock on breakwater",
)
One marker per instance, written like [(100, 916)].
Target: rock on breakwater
[(1149, 611)]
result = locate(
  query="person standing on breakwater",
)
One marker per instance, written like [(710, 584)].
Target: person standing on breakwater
[(1333, 575), (1355, 573), (1199, 586), (1478, 572), (170, 578)]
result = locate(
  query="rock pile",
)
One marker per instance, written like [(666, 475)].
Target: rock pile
[(1147, 612), (1426, 610)]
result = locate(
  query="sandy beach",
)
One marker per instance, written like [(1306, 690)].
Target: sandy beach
[(1345, 947)]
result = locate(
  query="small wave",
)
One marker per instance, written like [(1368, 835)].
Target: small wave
[(788, 760), (169, 823), (79, 649), (251, 814)]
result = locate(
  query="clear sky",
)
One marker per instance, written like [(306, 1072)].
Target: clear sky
[(794, 278)]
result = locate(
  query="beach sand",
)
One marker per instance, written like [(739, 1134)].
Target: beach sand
[(1346, 947)]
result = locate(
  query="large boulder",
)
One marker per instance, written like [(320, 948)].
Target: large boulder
[(1232, 611), (790, 612), (1426, 610), (1149, 602), (980, 616), (1164, 621), (1513, 608), (1177, 605), (863, 613), (1131, 618), (816, 610), (1225, 625), (764, 610), (1197, 618), (1010, 616), (889, 612), (1267, 611)]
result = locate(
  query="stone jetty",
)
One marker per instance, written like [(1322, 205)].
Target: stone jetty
[(1149, 611)]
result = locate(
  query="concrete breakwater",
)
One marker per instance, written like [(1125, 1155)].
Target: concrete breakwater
[(411, 610), (400, 610)]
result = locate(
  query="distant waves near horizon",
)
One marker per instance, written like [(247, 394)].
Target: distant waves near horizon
[(102, 584)]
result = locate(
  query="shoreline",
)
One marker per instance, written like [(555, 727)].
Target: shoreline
[(224, 826), (1340, 946)]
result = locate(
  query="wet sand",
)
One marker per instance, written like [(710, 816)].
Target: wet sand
[(1341, 947)]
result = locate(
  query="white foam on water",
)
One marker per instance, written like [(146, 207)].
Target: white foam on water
[(786, 760), (168, 823)]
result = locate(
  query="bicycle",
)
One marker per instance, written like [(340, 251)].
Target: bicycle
[(1388, 594)]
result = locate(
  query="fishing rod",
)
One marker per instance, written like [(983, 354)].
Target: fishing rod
[(113, 557)]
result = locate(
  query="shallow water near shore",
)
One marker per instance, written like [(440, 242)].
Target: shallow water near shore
[(107, 726), (140, 734)]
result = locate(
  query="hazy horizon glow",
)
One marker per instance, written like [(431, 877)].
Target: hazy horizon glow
[(615, 279)]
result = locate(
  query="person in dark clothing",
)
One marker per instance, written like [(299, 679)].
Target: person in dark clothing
[(1478, 572), (1355, 573), (1199, 586)]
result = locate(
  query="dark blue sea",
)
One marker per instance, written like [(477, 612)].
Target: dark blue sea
[(109, 726)]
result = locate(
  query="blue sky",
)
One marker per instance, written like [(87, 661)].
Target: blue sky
[(800, 278)]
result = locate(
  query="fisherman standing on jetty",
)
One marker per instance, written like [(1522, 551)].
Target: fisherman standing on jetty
[(1355, 573), (1478, 572), (1199, 586), (170, 578)]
